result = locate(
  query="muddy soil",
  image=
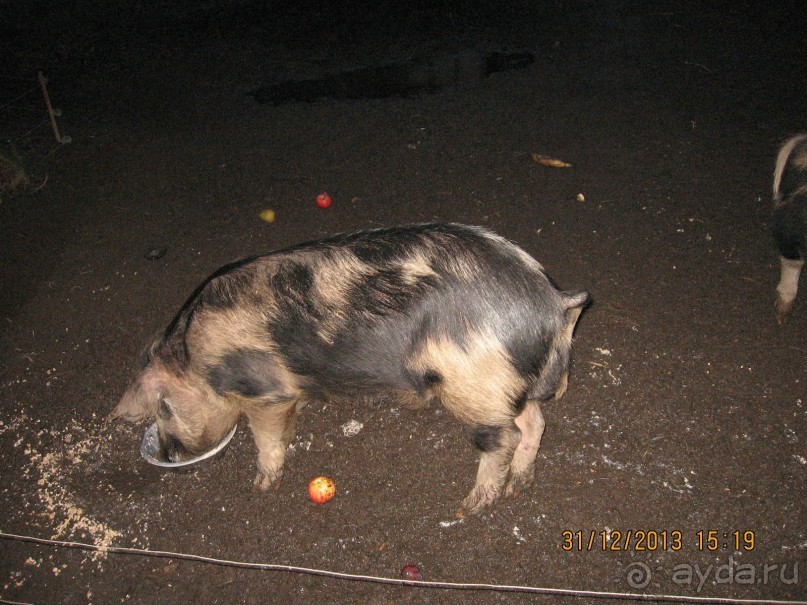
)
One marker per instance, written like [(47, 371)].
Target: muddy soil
[(676, 464)]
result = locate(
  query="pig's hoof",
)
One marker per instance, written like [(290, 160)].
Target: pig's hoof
[(478, 500), (518, 484), (263, 481), (783, 310)]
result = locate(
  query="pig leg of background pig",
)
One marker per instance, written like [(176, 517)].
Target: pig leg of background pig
[(494, 465), (788, 287), (272, 428), (522, 469)]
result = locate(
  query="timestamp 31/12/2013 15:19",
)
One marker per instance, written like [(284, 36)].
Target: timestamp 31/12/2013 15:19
[(710, 540)]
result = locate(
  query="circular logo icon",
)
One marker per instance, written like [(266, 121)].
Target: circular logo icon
[(638, 575)]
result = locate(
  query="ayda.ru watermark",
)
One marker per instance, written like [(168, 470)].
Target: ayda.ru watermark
[(639, 575)]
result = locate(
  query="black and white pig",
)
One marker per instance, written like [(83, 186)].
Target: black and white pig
[(790, 220), (431, 312)]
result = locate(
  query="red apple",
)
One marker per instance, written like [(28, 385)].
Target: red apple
[(411, 572), (324, 200)]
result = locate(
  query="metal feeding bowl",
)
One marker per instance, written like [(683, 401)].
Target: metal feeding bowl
[(150, 449)]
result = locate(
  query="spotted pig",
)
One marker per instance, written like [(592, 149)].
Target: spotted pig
[(434, 312), (790, 220)]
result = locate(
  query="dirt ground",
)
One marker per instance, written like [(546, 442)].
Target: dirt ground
[(676, 464)]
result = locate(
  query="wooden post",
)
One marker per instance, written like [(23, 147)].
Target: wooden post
[(43, 84)]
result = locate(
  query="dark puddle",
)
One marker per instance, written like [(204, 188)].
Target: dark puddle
[(396, 79)]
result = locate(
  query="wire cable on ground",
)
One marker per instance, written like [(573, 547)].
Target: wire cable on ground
[(122, 550)]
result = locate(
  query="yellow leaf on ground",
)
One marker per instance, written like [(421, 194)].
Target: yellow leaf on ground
[(545, 160)]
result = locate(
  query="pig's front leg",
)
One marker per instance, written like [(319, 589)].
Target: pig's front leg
[(272, 428)]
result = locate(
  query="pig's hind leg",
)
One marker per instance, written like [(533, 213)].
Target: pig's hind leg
[(788, 288), (522, 468), (497, 445), (478, 384)]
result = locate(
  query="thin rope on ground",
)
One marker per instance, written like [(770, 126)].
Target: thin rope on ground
[(27, 135), (21, 78), (122, 550), (8, 104)]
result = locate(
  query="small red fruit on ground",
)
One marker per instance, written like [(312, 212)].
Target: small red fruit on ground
[(324, 200), (411, 572)]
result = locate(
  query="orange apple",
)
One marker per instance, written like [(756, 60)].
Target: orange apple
[(321, 489)]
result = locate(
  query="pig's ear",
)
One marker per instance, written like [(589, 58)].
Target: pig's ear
[(140, 401)]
